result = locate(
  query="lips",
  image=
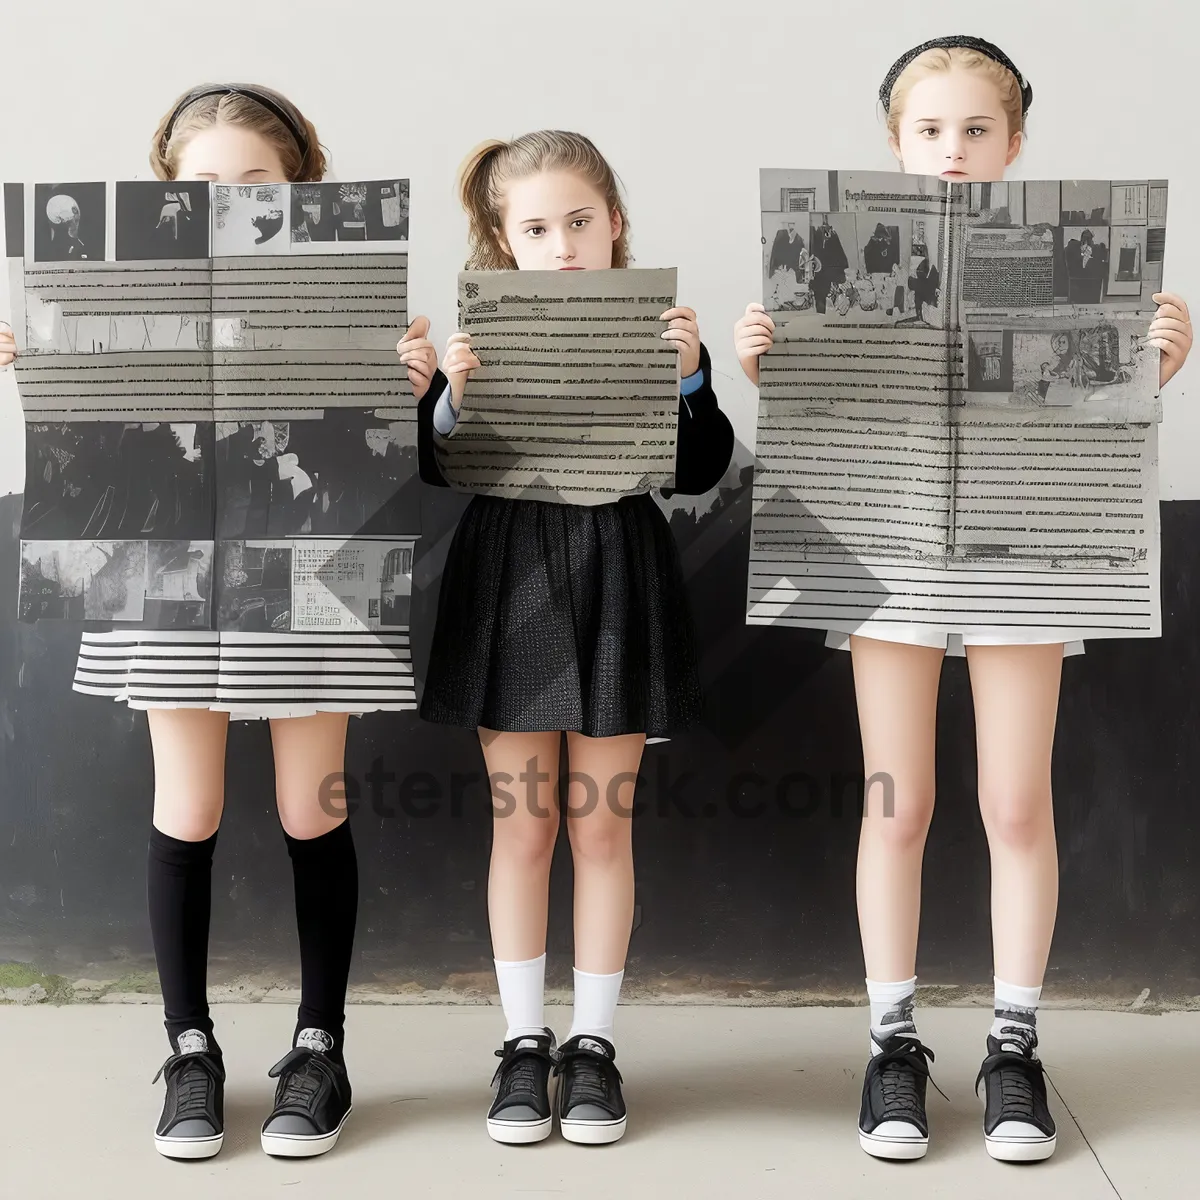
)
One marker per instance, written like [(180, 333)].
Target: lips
[(570, 268)]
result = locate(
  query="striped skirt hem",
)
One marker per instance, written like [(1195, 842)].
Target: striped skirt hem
[(249, 675)]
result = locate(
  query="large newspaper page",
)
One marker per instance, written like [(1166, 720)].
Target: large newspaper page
[(219, 434), (577, 397), (958, 420)]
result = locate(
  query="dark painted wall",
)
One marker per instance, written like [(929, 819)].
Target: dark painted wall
[(726, 900)]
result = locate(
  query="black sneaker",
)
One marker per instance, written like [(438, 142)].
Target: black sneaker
[(590, 1106), (892, 1122), (192, 1124), (520, 1111), (1017, 1125), (312, 1099)]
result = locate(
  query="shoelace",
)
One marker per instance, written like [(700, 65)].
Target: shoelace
[(193, 1076), (1017, 1073), (518, 1072), (899, 1067), (304, 1072), (590, 1075)]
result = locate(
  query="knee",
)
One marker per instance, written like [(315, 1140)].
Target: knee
[(898, 817), (1017, 818), (604, 842), (187, 819), (305, 816), (307, 821), (525, 840)]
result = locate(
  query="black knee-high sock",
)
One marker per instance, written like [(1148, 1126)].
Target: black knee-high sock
[(325, 869), (179, 892)]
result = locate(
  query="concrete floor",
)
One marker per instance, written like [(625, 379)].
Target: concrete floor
[(724, 1102)]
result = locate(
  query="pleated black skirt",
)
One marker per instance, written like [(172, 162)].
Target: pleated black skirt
[(563, 617)]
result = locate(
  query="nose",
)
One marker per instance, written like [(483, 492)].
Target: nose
[(564, 245), (956, 147)]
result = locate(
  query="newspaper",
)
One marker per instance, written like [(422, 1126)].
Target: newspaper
[(958, 419), (315, 584), (205, 362), (577, 397)]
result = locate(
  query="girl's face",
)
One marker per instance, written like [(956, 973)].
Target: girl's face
[(953, 125), (558, 221), (230, 154)]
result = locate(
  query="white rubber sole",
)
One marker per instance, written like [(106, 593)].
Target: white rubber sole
[(188, 1148), (1032, 1149), (593, 1133), (295, 1145), (519, 1133), (896, 1149)]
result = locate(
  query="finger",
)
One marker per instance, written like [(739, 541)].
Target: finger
[(755, 308), (458, 368), (684, 323), (1173, 313), (757, 320), (680, 336), (418, 329), (1161, 322), (458, 339), (1170, 337), (757, 346), (419, 374), (671, 313), (1170, 298)]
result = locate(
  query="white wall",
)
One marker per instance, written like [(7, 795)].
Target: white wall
[(687, 98)]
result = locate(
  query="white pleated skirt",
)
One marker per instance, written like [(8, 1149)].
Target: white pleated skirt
[(249, 675)]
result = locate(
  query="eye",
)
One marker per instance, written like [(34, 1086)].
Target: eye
[(579, 222), (535, 231), (926, 132), (976, 131)]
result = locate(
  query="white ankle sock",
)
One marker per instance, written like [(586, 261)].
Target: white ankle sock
[(1015, 1006), (595, 1003), (891, 1009), (523, 994)]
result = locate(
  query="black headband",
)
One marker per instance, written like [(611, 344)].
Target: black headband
[(949, 43), (272, 106)]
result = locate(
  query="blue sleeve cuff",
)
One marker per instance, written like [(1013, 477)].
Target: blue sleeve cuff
[(444, 416), (692, 383)]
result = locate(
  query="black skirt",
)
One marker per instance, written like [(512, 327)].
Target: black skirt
[(563, 617)]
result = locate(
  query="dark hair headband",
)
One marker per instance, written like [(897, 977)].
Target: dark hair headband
[(240, 89), (949, 43)]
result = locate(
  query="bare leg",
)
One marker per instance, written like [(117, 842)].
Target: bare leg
[(603, 773), (1016, 706), (523, 773), (896, 687), (189, 771), (310, 754)]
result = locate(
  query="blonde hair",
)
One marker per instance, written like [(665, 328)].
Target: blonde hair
[(489, 166), (300, 164), (937, 62)]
